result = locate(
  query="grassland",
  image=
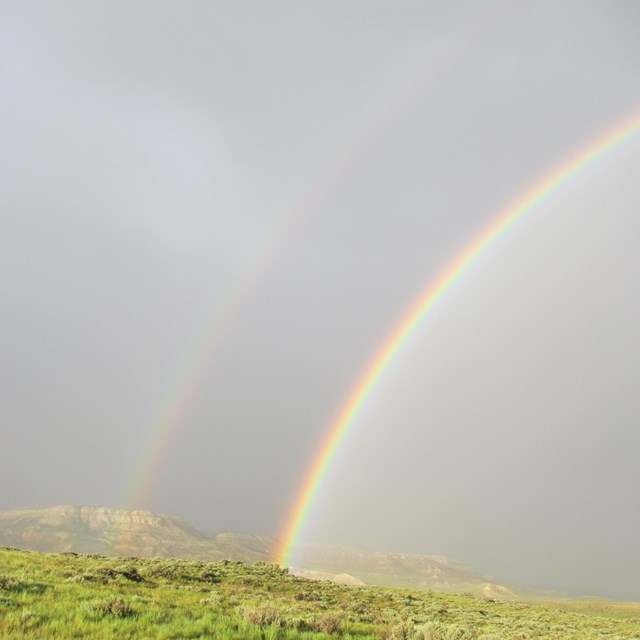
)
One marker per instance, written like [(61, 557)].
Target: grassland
[(66, 596)]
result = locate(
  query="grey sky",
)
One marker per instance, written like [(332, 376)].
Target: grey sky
[(152, 150)]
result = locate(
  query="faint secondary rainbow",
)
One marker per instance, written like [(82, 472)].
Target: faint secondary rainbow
[(434, 292), (452, 47)]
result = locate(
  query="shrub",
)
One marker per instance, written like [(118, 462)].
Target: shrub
[(210, 574), (406, 630), (169, 570), (9, 583), (87, 577), (402, 631), (441, 631), (130, 572), (267, 614), (212, 599), (114, 606), (106, 572), (296, 622), (328, 623)]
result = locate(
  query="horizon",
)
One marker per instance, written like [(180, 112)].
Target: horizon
[(519, 591)]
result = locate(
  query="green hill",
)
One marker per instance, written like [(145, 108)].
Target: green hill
[(139, 533), (54, 596)]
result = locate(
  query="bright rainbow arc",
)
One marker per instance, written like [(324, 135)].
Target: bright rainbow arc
[(434, 292)]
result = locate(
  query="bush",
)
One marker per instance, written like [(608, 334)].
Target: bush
[(210, 574), (169, 570), (9, 583), (130, 572), (406, 630), (114, 606), (328, 623), (264, 615), (106, 572), (212, 600), (402, 631), (441, 631)]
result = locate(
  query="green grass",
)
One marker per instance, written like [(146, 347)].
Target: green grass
[(67, 596)]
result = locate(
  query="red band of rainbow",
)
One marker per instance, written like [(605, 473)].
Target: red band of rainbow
[(435, 290)]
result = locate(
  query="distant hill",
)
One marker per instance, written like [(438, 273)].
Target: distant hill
[(400, 570), (126, 532)]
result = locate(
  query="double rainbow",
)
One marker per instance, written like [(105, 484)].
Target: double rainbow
[(429, 298), (455, 44)]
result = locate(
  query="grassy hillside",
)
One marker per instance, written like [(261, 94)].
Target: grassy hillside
[(73, 596), (125, 532)]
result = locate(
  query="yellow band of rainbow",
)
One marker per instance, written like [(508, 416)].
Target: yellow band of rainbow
[(503, 221)]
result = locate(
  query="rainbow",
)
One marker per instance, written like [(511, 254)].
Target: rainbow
[(454, 45), (426, 301)]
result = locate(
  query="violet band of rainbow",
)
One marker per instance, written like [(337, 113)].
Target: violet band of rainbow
[(534, 196), (170, 422)]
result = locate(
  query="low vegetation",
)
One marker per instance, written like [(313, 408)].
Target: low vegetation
[(65, 596)]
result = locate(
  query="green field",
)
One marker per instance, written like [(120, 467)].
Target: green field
[(66, 596)]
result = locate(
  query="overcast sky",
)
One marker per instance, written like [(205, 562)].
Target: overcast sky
[(273, 183)]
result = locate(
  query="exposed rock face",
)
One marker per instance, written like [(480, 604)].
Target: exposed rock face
[(339, 578), (145, 534), (498, 592), (376, 567), (121, 532)]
